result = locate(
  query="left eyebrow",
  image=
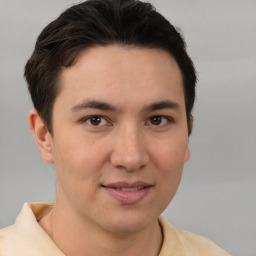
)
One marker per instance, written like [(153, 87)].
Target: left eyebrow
[(165, 104)]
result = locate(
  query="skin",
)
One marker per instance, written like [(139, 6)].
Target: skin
[(132, 138)]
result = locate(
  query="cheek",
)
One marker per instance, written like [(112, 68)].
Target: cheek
[(169, 162), (76, 171), (171, 154), (79, 159)]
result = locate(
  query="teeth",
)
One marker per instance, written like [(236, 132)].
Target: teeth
[(131, 189)]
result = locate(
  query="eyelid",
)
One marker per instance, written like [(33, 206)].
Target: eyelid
[(85, 119), (169, 120)]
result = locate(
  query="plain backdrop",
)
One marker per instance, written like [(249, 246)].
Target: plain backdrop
[(217, 196)]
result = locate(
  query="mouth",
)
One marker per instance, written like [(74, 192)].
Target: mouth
[(130, 189), (126, 186), (128, 193)]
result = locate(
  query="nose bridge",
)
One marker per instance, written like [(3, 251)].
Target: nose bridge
[(129, 148)]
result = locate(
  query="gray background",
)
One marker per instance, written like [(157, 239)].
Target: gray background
[(217, 197)]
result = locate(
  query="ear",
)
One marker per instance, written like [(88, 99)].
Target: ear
[(190, 124), (187, 154), (41, 134)]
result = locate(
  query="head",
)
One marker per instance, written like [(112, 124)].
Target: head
[(93, 23), (113, 89)]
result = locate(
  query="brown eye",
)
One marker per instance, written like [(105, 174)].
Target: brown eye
[(96, 121), (156, 120), (159, 121)]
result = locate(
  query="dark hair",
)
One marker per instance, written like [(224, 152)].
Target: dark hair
[(100, 23)]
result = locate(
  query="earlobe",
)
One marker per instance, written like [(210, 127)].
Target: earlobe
[(42, 136)]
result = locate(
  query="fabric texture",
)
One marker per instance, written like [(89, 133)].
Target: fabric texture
[(27, 238)]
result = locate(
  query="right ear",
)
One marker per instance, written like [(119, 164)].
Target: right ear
[(41, 134)]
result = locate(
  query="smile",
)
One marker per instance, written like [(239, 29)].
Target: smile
[(128, 193), (130, 189)]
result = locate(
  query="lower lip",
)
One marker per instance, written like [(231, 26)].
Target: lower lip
[(128, 197)]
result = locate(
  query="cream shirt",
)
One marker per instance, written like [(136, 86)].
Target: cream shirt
[(27, 238)]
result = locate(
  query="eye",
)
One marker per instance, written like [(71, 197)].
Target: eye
[(96, 121), (158, 120)]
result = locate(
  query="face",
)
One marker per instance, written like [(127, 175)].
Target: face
[(120, 136)]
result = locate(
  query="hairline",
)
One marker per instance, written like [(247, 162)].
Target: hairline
[(110, 44)]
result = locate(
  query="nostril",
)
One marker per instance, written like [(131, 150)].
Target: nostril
[(129, 151), (129, 162)]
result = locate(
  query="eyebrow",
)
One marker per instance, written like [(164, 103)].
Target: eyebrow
[(165, 104), (95, 104)]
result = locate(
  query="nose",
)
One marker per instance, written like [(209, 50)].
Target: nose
[(129, 151)]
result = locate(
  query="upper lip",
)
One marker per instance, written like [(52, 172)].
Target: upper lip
[(124, 184)]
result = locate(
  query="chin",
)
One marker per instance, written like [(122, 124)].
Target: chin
[(130, 223), (126, 228)]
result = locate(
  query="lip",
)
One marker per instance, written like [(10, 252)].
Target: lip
[(138, 190)]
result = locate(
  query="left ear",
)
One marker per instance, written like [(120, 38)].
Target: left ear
[(42, 136), (187, 154)]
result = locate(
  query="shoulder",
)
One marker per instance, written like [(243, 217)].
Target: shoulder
[(26, 237), (182, 242), (7, 237)]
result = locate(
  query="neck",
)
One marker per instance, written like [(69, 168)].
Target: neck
[(76, 236)]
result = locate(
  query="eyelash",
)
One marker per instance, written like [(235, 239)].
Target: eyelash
[(89, 120), (166, 118)]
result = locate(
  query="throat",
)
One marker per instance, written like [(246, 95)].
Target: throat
[(85, 241)]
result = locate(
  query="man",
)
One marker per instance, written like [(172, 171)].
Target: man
[(113, 90)]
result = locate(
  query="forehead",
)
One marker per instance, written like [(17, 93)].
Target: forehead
[(122, 74)]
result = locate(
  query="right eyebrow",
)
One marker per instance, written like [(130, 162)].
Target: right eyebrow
[(94, 104)]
